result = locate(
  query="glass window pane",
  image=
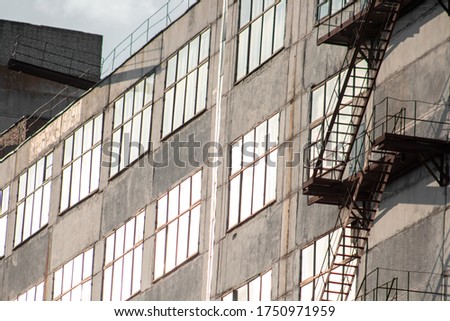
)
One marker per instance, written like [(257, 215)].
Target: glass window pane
[(49, 165), (86, 291), (78, 143), (267, 37), (19, 223), (75, 188), (248, 148), (28, 216), (254, 287), (268, 3), (321, 254), (22, 186), (118, 112), (85, 175), (120, 242), (173, 203), (260, 140), (307, 292), (98, 125), (77, 270), (236, 156), (140, 225), (258, 193), (129, 235), (31, 179), (137, 270), (171, 245), (171, 70), (242, 293), (46, 203), (273, 129), (271, 176), (149, 83), (117, 278), (162, 211), (196, 187), (202, 88), (193, 53), (125, 147), (65, 189), (128, 105), (183, 230), (107, 284), (67, 276), (139, 96), (182, 62), (280, 22), (146, 129), (245, 12), (228, 297), (160, 253), (191, 92), (88, 263), (247, 189), (266, 286), (40, 169), (4, 200), (331, 95), (115, 152), (3, 224), (257, 8), (307, 263), (109, 251), (194, 231), (242, 54), (179, 104), (96, 165), (255, 44), (168, 111), (204, 46), (40, 292), (318, 101), (57, 283), (235, 192), (185, 195), (127, 275), (68, 146), (135, 138), (87, 136), (36, 220)]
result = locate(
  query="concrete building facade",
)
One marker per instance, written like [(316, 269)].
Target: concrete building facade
[(181, 175)]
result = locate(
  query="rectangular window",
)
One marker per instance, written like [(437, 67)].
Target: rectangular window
[(329, 7), (253, 171), (258, 289), (33, 200), (186, 83), (36, 293), (73, 281), (132, 125), (178, 225), (261, 33), (81, 163), (4, 203), (123, 260)]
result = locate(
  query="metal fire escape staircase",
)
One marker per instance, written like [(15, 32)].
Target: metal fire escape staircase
[(367, 36)]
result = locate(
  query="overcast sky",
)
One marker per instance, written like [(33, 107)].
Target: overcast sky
[(114, 19)]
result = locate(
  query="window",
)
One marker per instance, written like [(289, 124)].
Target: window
[(4, 202), (33, 200), (253, 171), (81, 163), (259, 289), (328, 7), (324, 101), (73, 281), (178, 225), (36, 293), (186, 83), (132, 125), (123, 260), (261, 33)]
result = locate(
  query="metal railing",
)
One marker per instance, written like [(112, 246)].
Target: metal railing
[(383, 284), (161, 19)]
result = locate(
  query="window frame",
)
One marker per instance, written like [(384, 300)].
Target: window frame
[(70, 164), (247, 27), (234, 293), (138, 245), (171, 86), (147, 106), (330, 13), (271, 151), (37, 289), (4, 212), (159, 228), (22, 200)]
